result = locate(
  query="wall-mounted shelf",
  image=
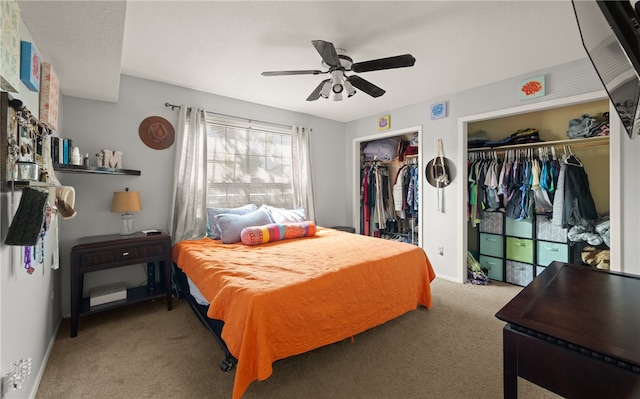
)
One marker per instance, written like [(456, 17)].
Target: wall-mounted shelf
[(94, 169)]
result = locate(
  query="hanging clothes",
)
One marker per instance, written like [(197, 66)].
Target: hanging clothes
[(525, 184), (579, 207)]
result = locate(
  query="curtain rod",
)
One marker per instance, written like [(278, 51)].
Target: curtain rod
[(173, 106)]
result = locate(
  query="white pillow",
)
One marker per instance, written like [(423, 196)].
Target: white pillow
[(282, 215), (231, 225), (212, 212)]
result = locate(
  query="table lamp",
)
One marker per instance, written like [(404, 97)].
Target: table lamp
[(125, 202)]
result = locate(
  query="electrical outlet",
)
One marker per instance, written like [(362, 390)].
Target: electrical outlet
[(441, 251), (19, 371)]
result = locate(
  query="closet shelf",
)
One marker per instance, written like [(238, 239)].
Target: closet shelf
[(576, 143)]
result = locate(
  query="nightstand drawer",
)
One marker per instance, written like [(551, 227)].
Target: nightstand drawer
[(121, 254)]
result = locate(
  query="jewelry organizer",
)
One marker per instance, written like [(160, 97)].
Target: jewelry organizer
[(22, 145)]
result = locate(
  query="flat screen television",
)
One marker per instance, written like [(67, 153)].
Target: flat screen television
[(610, 35)]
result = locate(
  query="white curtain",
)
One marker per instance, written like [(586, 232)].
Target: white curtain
[(188, 218), (301, 173)]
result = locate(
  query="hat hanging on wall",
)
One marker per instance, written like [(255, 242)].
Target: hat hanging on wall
[(65, 201), (437, 173), (157, 132), (437, 170)]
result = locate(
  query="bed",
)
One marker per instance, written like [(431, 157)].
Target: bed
[(271, 301)]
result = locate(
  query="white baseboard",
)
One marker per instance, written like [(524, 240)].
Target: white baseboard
[(36, 385)]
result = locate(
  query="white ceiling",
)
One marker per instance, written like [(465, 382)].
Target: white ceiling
[(222, 47)]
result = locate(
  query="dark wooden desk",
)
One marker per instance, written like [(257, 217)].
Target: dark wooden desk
[(574, 331), (91, 254)]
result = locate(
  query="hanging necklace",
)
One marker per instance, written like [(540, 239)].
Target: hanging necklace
[(27, 260)]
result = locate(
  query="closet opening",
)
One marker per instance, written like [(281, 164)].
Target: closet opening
[(515, 248), (389, 163)]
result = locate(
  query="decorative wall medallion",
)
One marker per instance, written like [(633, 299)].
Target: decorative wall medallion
[(156, 132)]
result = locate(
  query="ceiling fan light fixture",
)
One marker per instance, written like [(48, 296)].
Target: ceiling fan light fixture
[(337, 96), (349, 88), (337, 82), (326, 89)]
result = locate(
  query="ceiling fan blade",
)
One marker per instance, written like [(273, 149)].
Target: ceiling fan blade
[(327, 52), (399, 61), (303, 72), (365, 86), (316, 93)]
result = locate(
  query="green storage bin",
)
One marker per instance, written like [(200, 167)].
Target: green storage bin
[(522, 228), (491, 244), (520, 249), (550, 251), (494, 265)]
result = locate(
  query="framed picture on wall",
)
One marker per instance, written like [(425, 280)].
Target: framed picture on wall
[(439, 110), (532, 88), (384, 122), (29, 66)]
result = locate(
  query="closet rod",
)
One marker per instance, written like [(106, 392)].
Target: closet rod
[(575, 143), (173, 106)]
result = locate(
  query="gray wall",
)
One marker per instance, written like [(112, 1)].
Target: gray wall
[(94, 125), (29, 303), (445, 229)]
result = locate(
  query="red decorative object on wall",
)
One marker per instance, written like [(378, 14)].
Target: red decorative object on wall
[(49, 96)]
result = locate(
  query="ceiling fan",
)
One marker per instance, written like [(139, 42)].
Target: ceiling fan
[(338, 63)]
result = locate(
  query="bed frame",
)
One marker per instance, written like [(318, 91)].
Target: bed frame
[(214, 326)]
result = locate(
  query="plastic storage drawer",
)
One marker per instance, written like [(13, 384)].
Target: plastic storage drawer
[(522, 228), (494, 265), (520, 249), (550, 251), (491, 244), (519, 273)]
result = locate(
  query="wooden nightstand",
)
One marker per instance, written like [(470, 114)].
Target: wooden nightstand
[(91, 254)]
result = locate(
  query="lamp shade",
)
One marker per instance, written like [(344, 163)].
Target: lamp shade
[(126, 201)]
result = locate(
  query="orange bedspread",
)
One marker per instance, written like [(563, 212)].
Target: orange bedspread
[(288, 297)]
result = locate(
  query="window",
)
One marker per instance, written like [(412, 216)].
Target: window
[(248, 165)]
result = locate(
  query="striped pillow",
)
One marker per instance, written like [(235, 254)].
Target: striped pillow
[(256, 235)]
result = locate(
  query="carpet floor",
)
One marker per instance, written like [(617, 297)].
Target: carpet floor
[(453, 350)]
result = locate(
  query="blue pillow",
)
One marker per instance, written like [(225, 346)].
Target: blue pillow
[(231, 225), (214, 230)]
